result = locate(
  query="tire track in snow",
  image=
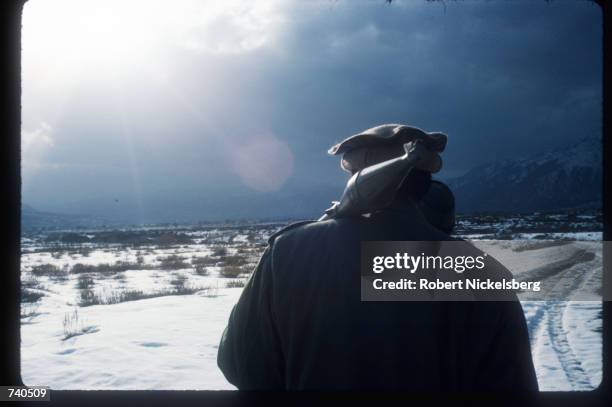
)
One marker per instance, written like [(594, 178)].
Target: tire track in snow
[(571, 274), (572, 367)]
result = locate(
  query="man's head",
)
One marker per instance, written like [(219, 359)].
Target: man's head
[(386, 142), (390, 135)]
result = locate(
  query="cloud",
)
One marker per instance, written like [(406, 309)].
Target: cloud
[(34, 145), (230, 27), (502, 79)]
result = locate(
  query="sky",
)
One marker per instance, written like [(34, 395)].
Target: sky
[(158, 108)]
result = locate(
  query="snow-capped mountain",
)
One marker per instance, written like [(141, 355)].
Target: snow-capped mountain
[(570, 177)]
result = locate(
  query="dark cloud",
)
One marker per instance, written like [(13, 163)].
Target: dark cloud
[(501, 78)]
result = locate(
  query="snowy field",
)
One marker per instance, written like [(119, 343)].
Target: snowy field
[(565, 330), (145, 308)]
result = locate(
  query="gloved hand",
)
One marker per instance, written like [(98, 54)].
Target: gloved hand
[(423, 157)]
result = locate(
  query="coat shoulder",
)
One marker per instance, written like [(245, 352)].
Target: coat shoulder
[(290, 227)]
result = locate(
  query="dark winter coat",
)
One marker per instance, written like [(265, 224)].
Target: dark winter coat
[(300, 323)]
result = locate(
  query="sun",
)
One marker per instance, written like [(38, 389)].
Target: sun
[(99, 37), (73, 37)]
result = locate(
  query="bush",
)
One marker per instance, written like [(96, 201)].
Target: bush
[(201, 270), (231, 271), (30, 290), (46, 269), (219, 251), (88, 298), (105, 268), (117, 297), (173, 262), (235, 283), (84, 282), (29, 296), (28, 310), (203, 261), (61, 275), (234, 261), (73, 326), (178, 282), (31, 282), (79, 268)]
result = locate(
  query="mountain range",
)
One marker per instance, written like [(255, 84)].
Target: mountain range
[(563, 178)]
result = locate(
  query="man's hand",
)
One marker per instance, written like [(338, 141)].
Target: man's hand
[(422, 157)]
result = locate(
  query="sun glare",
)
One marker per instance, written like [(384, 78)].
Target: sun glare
[(66, 36)]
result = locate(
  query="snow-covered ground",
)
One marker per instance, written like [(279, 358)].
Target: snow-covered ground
[(564, 328), (170, 342), (165, 342), (158, 343)]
